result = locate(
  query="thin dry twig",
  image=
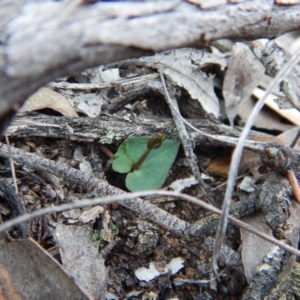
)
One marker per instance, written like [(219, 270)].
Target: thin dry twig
[(12, 165), (294, 183), (185, 139), (105, 150), (134, 196), (99, 86)]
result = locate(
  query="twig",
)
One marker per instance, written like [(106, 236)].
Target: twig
[(134, 196), (16, 205), (99, 86), (227, 254), (294, 183), (105, 150), (186, 141), (12, 166)]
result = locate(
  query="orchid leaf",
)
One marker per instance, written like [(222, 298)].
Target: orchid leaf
[(152, 172)]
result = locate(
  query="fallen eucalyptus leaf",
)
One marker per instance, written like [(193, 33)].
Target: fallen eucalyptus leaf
[(81, 258), (47, 98), (183, 68), (90, 104), (254, 248), (34, 273), (242, 77)]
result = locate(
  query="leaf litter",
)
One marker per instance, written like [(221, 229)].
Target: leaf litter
[(185, 68)]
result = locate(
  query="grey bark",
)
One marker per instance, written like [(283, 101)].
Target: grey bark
[(111, 129), (42, 41), (266, 274)]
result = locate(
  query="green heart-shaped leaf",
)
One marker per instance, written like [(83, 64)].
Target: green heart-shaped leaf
[(153, 171)]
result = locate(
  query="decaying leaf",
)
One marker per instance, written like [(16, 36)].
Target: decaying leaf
[(254, 248), (242, 76), (8, 290), (183, 68), (47, 98), (85, 166), (180, 184), (247, 184), (34, 273), (147, 274), (90, 104), (219, 165), (81, 258), (92, 214), (98, 75), (291, 114)]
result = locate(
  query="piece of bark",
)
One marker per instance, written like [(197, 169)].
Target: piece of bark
[(110, 129), (227, 255), (266, 274), (274, 58)]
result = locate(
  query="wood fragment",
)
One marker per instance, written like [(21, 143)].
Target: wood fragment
[(106, 151), (294, 183), (186, 142)]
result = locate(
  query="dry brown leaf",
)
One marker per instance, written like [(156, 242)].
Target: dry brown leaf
[(183, 68), (242, 76), (8, 290), (254, 248), (81, 258), (266, 119), (292, 114), (34, 273), (47, 98), (219, 166)]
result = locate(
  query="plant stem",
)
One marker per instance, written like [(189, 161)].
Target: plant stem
[(137, 165), (153, 143)]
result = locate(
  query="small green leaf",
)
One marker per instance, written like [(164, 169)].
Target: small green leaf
[(153, 172)]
